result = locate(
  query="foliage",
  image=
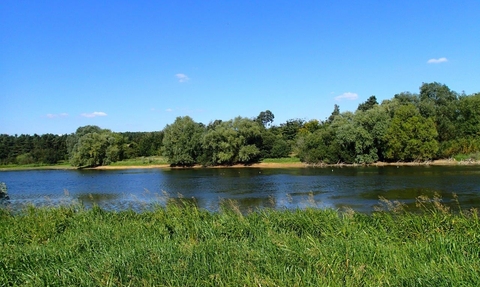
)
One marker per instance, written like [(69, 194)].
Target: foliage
[(459, 146), (290, 129), (182, 141), (181, 245), (94, 147), (368, 104), (443, 102), (349, 138), (318, 146), (335, 112), (27, 149), (232, 141), (273, 145), (410, 137), (468, 120), (265, 118), (3, 191)]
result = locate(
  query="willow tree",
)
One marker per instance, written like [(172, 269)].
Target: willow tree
[(232, 141), (182, 141), (92, 146)]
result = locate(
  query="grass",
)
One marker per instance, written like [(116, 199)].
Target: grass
[(468, 157), (181, 245), (33, 166), (142, 161), (282, 160)]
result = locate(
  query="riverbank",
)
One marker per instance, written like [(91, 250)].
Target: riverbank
[(181, 245), (441, 162)]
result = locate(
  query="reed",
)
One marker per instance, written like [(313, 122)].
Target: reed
[(181, 245)]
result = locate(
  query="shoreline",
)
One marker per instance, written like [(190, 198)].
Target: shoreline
[(440, 162), (273, 165)]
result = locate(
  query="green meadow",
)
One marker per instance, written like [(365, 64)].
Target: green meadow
[(182, 245)]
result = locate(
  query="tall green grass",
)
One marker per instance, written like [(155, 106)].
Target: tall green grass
[(282, 160), (32, 166), (141, 161), (181, 245)]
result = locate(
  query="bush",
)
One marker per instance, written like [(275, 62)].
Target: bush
[(3, 191)]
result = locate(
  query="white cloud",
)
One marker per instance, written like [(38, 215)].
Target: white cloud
[(94, 114), (437, 61), (169, 110), (347, 96), (52, 116), (182, 78)]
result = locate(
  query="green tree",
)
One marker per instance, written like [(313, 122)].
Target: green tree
[(371, 127), (94, 147), (368, 104), (468, 120), (309, 127), (265, 118), (182, 142), (344, 128), (290, 128), (273, 145), (319, 146), (410, 136), (336, 112), (439, 100), (232, 141)]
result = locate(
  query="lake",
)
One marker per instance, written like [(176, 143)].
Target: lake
[(358, 188)]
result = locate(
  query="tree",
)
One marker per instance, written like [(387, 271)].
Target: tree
[(232, 141), (265, 118), (371, 127), (290, 129), (368, 104), (336, 112), (318, 147), (345, 137), (94, 147), (410, 136), (468, 120), (442, 102), (309, 127), (182, 142), (273, 145)]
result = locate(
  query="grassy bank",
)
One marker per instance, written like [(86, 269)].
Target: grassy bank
[(181, 245), (36, 166), (141, 161), (282, 160)]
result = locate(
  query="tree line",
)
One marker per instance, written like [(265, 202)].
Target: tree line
[(53, 149), (435, 123)]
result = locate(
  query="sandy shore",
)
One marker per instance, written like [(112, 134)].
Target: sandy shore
[(440, 162)]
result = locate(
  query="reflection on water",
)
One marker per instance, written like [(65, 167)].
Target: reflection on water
[(251, 188)]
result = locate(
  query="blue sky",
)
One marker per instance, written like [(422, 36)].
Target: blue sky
[(137, 65)]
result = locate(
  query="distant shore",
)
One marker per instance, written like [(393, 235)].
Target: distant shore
[(440, 162)]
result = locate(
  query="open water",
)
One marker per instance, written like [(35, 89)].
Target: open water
[(358, 188)]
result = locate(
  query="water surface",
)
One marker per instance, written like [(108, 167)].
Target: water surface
[(353, 187)]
